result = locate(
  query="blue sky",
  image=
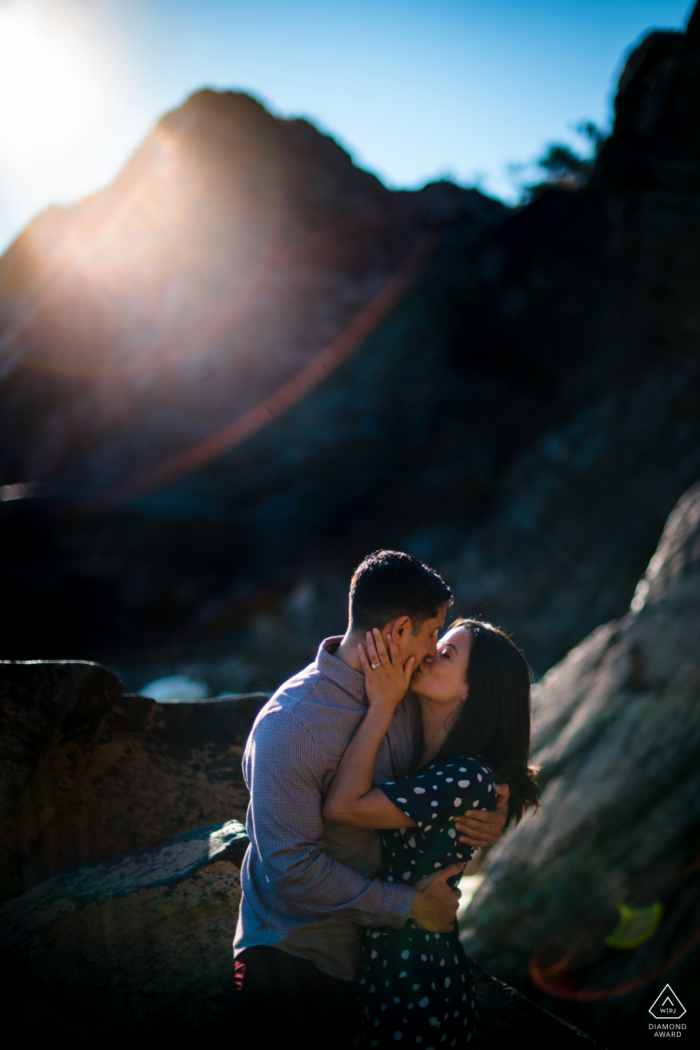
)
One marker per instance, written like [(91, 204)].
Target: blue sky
[(414, 90)]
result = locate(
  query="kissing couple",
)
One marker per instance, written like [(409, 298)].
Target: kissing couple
[(372, 777)]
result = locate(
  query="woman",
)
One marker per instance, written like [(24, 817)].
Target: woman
[(474, 698)]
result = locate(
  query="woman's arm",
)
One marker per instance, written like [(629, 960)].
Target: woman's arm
[(351, 799)]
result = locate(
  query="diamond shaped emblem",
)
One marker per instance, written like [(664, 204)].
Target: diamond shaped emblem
[(667, 1006)]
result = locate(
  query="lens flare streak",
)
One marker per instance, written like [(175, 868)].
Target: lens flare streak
[(287, 395)]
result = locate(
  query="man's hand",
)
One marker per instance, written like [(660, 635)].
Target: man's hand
[(435, 904), (479, 827)]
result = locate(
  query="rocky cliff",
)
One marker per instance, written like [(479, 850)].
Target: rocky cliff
[(512, 396), (617, 735)]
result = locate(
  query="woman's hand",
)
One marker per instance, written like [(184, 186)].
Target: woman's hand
[(386, 678), (351, 799)]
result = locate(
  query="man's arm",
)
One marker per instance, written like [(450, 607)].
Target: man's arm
[(284, 767)]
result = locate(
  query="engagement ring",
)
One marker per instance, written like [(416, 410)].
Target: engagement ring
[(373, 666)]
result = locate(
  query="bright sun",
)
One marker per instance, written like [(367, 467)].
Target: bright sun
[(58, 96), (50, 80)]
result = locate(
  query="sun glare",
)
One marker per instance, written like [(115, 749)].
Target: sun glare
[(57, 86), (50, 82)]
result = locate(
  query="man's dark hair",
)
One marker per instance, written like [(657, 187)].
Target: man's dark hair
[(389, 584)]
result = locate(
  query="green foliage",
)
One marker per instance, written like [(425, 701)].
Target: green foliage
[(563, 167)]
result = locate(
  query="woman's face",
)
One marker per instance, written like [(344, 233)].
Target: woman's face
[(444, 677)]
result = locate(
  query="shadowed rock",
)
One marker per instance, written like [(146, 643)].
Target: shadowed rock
[(505, 1015), (88, 773), (617, 734), (143, 939)]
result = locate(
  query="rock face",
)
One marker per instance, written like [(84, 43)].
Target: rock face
[(139, 944), (524, 418), (232, 249), (617, 735), (505, 1015), (232, 252), (88, 773)]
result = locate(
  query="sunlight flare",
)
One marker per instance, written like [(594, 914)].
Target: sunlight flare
[(58, 93)]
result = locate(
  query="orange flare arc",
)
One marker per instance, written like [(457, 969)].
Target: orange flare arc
[(283, 398)]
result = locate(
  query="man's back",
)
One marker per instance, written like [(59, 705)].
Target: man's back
[(308, 884)]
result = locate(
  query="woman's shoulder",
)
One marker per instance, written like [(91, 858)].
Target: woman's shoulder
[(450, 770), (461, 767), (446, 788)]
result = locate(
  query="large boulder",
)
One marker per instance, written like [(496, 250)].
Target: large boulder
[(138, 945), (88, 772), (617, 736)]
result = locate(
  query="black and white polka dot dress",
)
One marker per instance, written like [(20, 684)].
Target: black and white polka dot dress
[(415, 987)]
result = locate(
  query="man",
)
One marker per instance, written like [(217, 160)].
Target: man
[(308, 886)]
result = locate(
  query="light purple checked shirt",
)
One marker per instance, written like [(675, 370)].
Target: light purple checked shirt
[(308, 885)]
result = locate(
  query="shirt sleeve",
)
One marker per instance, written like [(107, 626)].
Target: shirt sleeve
[(283, 768), (445, 790)]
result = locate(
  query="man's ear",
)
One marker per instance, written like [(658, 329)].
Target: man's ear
[(401, 628)]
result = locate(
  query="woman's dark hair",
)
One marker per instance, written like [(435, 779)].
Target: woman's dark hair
[(494, 721)]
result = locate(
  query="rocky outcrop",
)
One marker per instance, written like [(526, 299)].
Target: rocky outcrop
[(229, 253), (617, 735), (138, 946), (505, 1015), (237, 260), (88, 772)]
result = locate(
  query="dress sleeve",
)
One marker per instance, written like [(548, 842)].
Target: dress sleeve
[(445, 790)]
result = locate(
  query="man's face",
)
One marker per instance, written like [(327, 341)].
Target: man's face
[(423, 644)]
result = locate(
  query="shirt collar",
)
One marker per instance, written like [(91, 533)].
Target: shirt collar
[(353, 682)]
